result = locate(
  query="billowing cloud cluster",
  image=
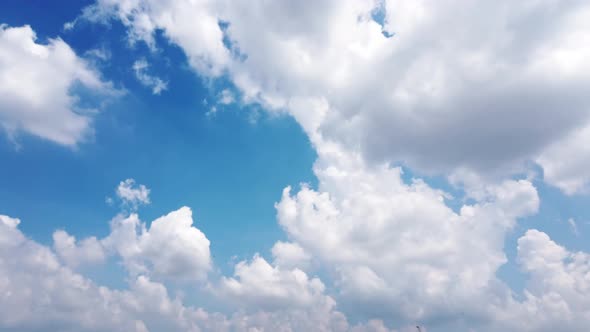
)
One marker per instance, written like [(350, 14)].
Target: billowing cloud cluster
[(438, 85), (397, 249), (557, 297), (171, 248), (39, 85), (416, 260), (38, 292), (474, 91)]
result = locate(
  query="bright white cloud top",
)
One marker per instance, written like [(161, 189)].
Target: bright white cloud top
[(458, 85), (475, 91), (38, 86)]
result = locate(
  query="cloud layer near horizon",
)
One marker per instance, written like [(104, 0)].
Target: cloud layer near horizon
[(396, 252)]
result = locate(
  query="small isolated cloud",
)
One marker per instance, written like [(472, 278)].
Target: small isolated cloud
[(226, 97), (132, 195), (573, 226), (212, 111), (140, 67), (100, 54)]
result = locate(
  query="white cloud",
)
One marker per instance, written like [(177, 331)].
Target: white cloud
[(261, 285), (479, 101), (397, 251), (192, 24), (37, 292), (87, 251), (558, 293), (573, 226), (171, 248), (140, 67), (487, 97), (131, 195), (290, 255), (566, 163), (226, 97), (9, 222), (28, 103), (466, 100), (100, 54)]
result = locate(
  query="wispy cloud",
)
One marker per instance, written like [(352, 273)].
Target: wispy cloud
[(140, 67)]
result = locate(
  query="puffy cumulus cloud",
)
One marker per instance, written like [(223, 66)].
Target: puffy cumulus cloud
[(279, 298), (400, 264), (28, 103), (37, 293), (566, 162), (132, 195), (171, 248), (486, 97), (74, 253), (9, 222), (262, 285), (140, 68), (558, 291), (289, 255), (481, 100), (396, 249)]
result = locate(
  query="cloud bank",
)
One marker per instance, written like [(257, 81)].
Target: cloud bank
[(474, 91)]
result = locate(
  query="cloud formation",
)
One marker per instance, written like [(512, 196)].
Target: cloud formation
[(488, 98), (473, 91), (38, 292), (132, 195), (396, 249), (140, 68), (171, 248), (40, 85)]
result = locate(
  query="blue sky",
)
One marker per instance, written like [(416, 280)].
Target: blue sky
[(221, 106), (230, 168)]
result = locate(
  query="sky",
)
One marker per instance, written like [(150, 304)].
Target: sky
[(374, 165)]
